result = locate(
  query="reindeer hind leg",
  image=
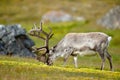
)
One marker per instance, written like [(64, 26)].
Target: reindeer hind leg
[(101, 53), (110, 60)]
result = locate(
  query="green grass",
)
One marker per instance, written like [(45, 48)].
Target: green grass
[(30, 69)]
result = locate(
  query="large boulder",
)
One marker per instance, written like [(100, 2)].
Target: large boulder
[(15, 41), (111, 19), (56, 16)]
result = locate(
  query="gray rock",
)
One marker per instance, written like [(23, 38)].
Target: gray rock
[(56, 16), (14, 41), (111, 19)]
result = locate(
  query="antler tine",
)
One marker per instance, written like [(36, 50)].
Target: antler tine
[(32, 30), (41, 29), (50, 33), (35, 27), (41, 25)]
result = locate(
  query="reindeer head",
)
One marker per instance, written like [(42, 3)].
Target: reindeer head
[(50, 58)]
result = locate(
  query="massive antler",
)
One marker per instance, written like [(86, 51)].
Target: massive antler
[(36, 31)]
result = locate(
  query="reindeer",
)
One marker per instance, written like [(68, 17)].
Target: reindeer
[(74, 44)]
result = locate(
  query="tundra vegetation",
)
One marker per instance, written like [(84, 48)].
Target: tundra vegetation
[(14, 68)]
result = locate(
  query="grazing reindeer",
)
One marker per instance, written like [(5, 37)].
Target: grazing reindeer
[(83, 44), (73, 44), (38, 32)]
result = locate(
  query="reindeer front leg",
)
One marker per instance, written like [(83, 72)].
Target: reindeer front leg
[(65, 59), (68, 51), (75, 61)]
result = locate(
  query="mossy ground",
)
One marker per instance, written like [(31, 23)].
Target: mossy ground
[(29, 69)]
